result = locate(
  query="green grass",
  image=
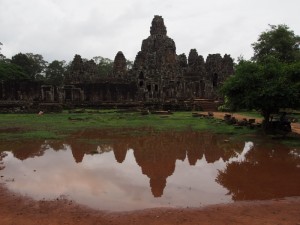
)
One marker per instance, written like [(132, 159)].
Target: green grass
[(18, 127), (35, 134), (60, 125), (291, 141), (295, 115)]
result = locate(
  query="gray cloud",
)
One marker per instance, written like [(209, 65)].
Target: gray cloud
[(59, 29)]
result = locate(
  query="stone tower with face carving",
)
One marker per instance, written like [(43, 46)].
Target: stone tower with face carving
[(119, 66), (162, 75), (156, 67)]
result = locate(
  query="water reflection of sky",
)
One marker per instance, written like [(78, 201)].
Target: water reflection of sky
[(100, 182), (146, 178)]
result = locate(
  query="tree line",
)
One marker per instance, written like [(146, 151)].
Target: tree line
[(29, 66)]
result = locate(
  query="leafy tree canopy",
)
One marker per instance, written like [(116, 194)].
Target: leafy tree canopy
[(279, 42), (32, 64), (265, 86), (2, 57), (271, 80), (105, 65), (129, 64), (55, 72), (9, 71)]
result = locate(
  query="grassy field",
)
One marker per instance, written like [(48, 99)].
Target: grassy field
[(20, 127), (60, 125)]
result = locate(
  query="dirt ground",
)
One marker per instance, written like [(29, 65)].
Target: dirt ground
[(220, 115), (15, 210)]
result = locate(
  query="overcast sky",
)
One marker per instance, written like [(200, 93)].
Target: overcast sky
[(59, 29)]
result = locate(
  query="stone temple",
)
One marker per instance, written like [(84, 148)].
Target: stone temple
[(159, 77), (163, 75)]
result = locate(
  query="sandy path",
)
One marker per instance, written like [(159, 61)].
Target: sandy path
[(220, 115)]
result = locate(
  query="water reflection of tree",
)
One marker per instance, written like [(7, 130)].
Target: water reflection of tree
[(265, 173)]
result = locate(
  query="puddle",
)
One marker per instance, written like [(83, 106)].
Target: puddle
[(115, 171)]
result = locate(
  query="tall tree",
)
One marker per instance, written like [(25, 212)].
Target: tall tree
[(10, 71), (32, 64), (105, 65), (279, 42), (270, 81), (129, 64), (39, 64), (55, 72), (2, 57), (266, 86), (23, 61)]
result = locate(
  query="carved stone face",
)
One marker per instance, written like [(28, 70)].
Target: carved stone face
[(158, 27)]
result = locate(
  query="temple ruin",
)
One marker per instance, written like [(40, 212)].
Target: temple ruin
[(158, 77)]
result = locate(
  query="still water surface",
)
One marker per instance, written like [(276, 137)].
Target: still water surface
[(171, 169)]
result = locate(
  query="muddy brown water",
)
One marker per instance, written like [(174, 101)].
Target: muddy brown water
[(129, 170)]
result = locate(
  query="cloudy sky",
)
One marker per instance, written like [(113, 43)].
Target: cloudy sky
[(59, 29)]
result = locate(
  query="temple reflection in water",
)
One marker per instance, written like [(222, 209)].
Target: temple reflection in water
[(155, 153), (263, 172)]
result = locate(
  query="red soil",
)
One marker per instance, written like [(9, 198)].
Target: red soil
[(15, 209)]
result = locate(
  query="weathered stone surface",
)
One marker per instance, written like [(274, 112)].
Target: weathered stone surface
[(158, 27), (159, 77), (182, 60), (218, 70), (81, 72), (76, 72), (90, 71), (162, 75), (156, 67), (120, 68), (193, 56)]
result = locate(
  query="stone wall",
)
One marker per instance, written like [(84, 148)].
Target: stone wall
[(20, 90), (158, 75)]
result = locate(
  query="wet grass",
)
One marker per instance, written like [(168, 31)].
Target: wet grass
[(58, 126), (62, 125), (292, 141)]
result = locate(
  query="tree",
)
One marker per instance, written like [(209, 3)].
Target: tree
[(55, 72), (32, 64), (9, 71), (39, 64), (105, 65), (271, 80), (129, 64), (2, 57), (266, 86), (279, 42)]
